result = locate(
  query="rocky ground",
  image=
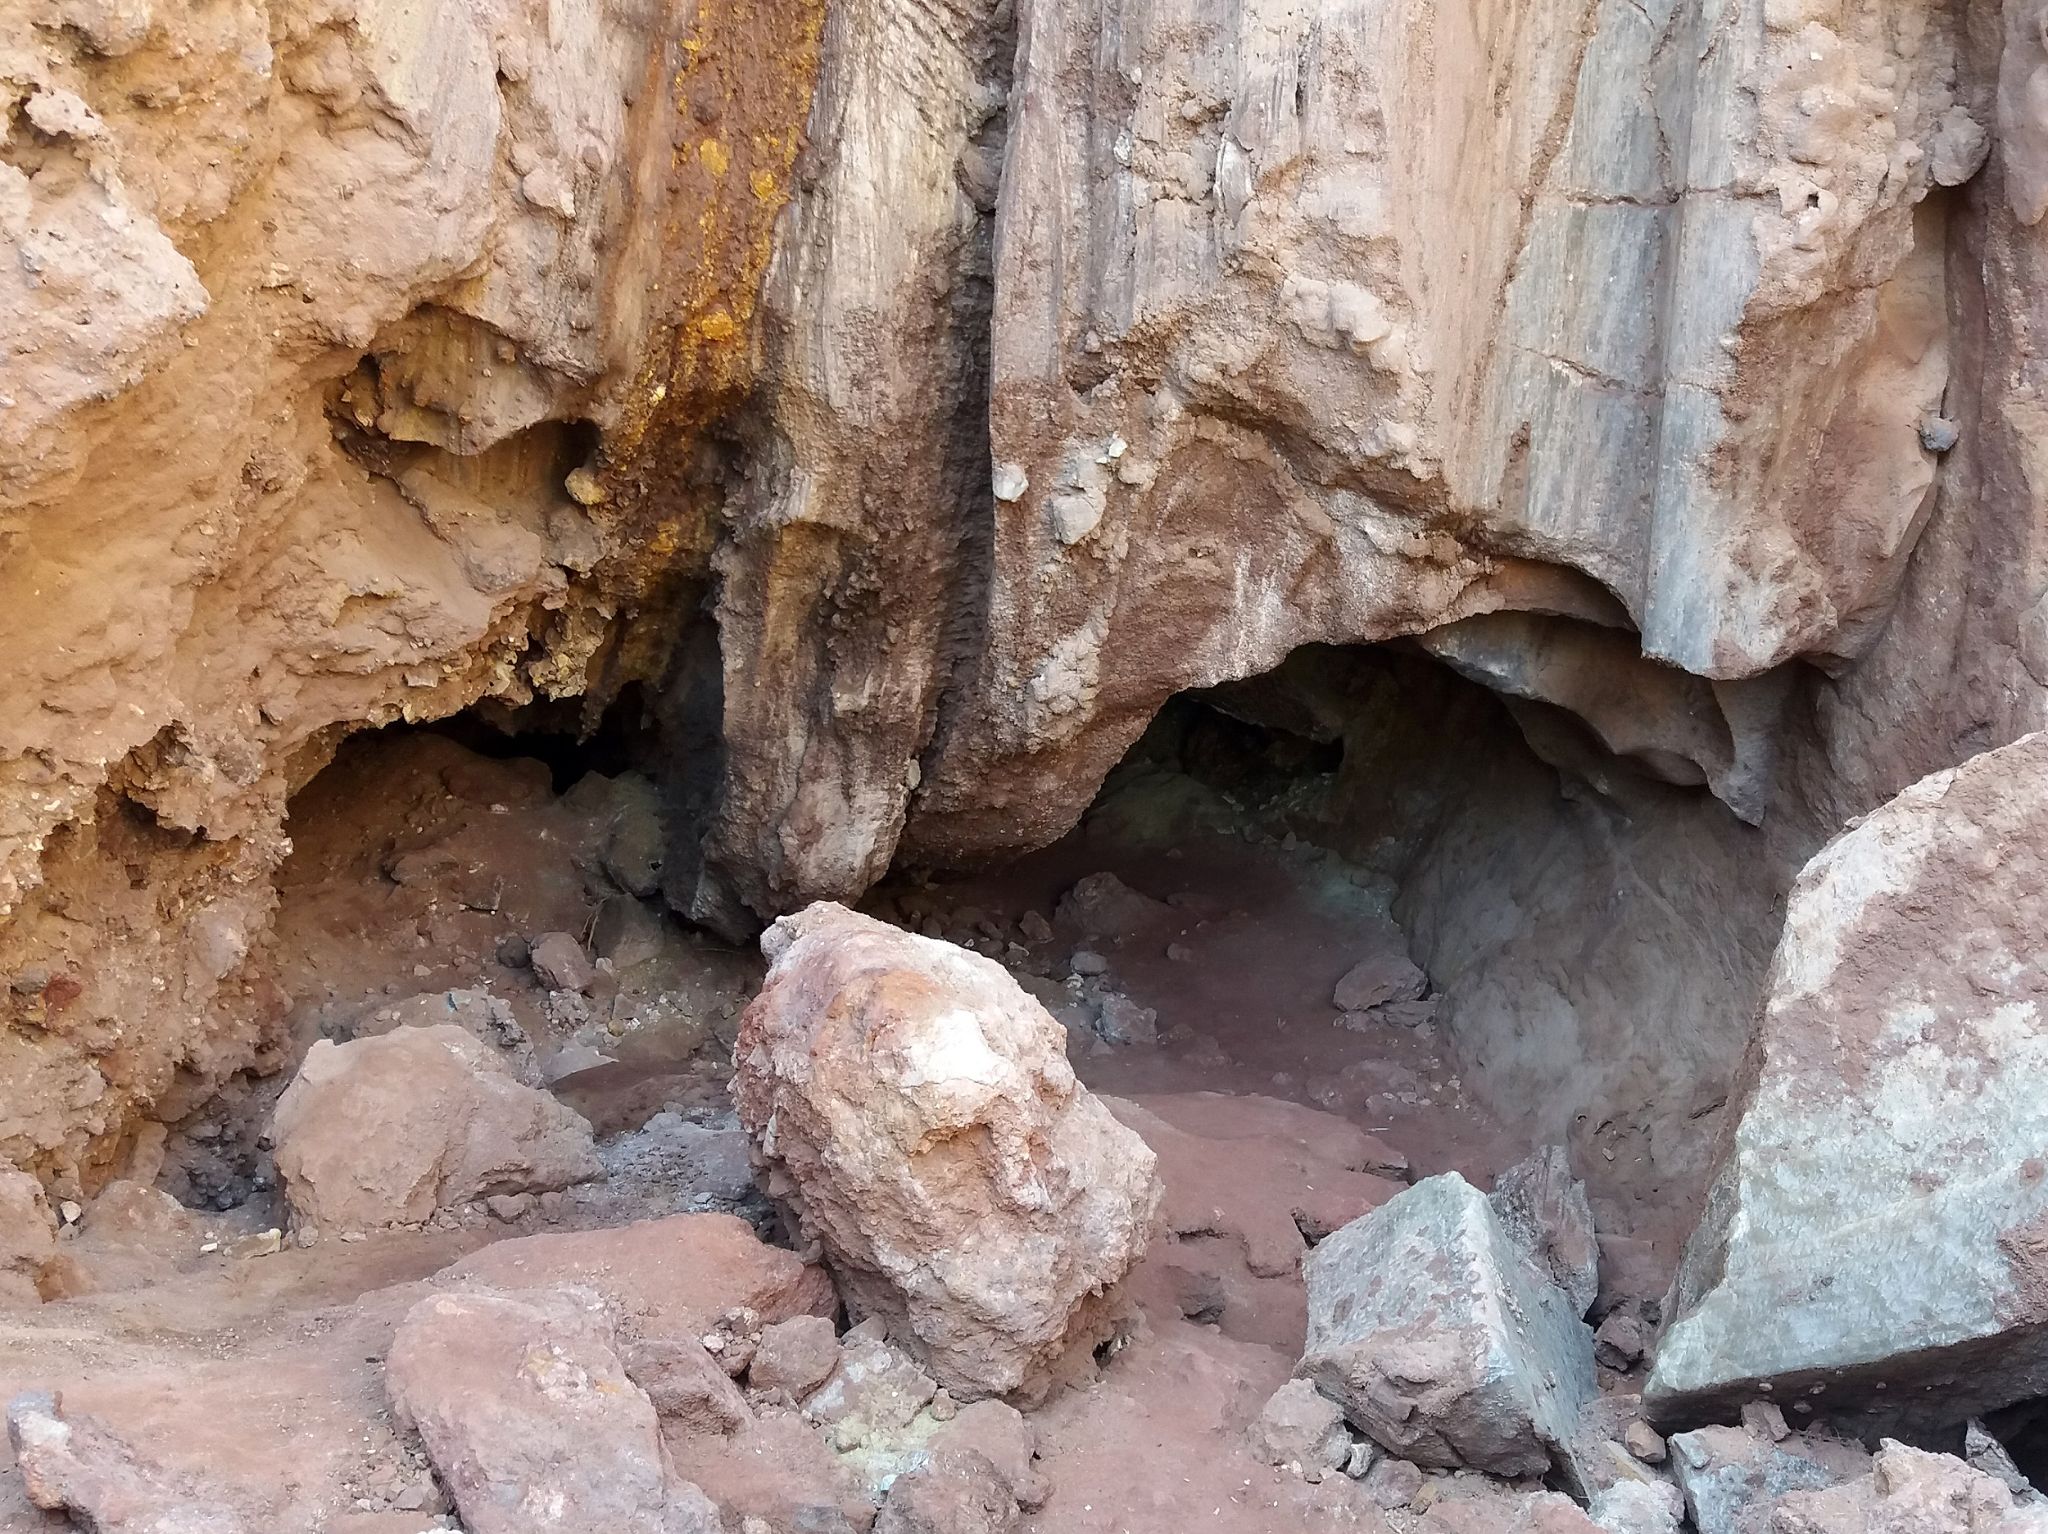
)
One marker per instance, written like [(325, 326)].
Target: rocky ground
[(1189, 1230)]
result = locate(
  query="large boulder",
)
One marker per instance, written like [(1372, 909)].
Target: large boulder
[(384, 1131), (918, 1113), (1434, 1329), (1876, 1240), (529, 1416)]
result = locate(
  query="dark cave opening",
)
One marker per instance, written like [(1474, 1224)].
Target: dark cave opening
[(1594, 935)]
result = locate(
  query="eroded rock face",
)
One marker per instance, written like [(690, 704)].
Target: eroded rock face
[(1909, 1491), (384, 1131), (918, 1113), (310, 322), (1219, 284), (1873, 1241)]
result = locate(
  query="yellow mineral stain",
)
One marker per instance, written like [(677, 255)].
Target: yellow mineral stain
[(763, 183), (714, 157)]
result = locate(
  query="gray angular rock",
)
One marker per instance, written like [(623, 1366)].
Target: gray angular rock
[(1102, 905), (1382, 978), (1439, 1338), (1731, 1477), (1638, 1507), (1544, 1208), (1880, 1222), (1983, 1452)]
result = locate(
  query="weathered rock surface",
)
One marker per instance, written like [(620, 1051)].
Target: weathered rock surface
[(668, 1278), (1256, 232), (1874, 1239), (1909, 1491), (531, 1420), (385, 1130), (73, 1464), (958, 1492), (1732, 1477), (1439, 1337), (1302, 1427), (923, 1121), (308, 325)]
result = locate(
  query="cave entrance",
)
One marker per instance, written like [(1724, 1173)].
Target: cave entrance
[(428, 863), (1369, 884)]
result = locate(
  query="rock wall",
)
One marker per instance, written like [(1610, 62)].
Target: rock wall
[(916, 395), (313, 317)]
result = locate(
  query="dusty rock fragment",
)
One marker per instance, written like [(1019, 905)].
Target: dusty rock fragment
[(957, 1492), (797, 1356), (1382, 978), (1544, 1208), (686, 1384), (560, 962), (1440, 1339), (931, 1135), (1122, 1021), (1103, 906), (1000, 1434), (1622, 1338), (488, 1018), (1637, 1507), (1909, 1491), (1766, 1420), (1300, 1426), (876, 1390), (76, 1465), (1731, 1476), (531, 1420), (1645, 1442), (636, 837), (1982, 1451), (1392, 1483), (28, 1235), (1880, 1222), (384, 1131)]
